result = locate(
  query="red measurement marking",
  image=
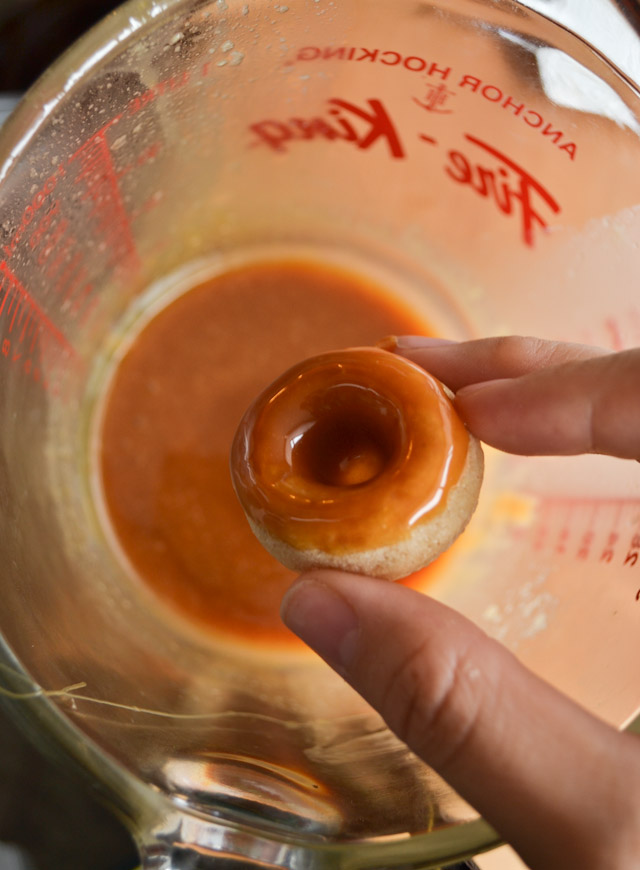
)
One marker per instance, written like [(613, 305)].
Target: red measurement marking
[(613, 329), (562, 541), (39, 200), (100, 181), (565, 533), (609, 550), (173, 83), (600, 536), (633, 554), (586, 542), (148, 155), (24, 312), (585, 545)]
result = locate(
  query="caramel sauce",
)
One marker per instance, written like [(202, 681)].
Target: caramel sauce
[(348, 451), (173, 406)]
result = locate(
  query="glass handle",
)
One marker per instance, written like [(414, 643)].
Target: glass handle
[(177, 841), (189, 860)]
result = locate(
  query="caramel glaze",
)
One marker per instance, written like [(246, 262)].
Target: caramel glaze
[(174, 404), (348, 451)]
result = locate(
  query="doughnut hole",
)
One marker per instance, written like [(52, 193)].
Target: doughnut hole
[(355, 434)]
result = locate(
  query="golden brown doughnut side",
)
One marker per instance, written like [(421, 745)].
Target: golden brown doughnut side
[(395, 561)]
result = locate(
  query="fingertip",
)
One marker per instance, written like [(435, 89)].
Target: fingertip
[(314, 610), (294, 595), (401, 343), (389, 342), (422, 342)]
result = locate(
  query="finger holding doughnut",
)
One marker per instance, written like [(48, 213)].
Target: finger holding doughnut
[(458, 364), (588, 406), (356, 460), (534, 397)]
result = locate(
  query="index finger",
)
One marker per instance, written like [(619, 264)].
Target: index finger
[(535, 397), (458, 364), (587, 406)]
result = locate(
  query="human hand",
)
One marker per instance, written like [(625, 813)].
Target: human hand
[(558, 784)]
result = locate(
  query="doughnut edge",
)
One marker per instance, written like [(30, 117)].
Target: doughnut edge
[(395, 561)]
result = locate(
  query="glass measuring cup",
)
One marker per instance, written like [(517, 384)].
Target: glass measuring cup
[(472, 155)]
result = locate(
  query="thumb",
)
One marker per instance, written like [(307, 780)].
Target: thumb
[(558, 784)]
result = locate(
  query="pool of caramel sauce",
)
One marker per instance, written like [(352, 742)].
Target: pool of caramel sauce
[(172, 408)]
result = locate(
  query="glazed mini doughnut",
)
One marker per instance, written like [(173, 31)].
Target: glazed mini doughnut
[(356, 460)]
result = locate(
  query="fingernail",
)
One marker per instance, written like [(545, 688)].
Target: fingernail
[(415, 342), (324, 620)]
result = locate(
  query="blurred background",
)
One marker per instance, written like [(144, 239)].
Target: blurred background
[(34, 32), (48, 819)]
